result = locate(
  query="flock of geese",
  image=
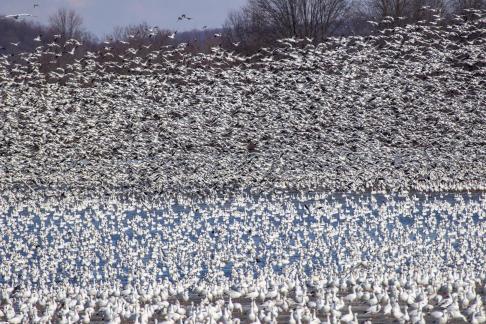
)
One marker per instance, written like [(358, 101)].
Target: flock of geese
[(152, 184), (252, 258), (401, 110)]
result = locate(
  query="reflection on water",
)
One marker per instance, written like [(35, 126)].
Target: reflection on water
[(184, 240)]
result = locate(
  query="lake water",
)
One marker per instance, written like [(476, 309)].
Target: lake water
[(227, 239)]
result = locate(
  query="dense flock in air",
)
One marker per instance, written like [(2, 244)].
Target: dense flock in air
[(333, 182), (400, 110)]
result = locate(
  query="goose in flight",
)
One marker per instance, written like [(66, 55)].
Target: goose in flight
[(18, 16), (182, 17), (71, 51)]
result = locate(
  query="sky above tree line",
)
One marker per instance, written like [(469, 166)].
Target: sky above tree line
[(101, 16)]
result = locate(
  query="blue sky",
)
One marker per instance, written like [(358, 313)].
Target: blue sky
[(100, 16)]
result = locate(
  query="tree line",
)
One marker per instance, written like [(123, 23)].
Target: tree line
[(19, 35), (260, 23)]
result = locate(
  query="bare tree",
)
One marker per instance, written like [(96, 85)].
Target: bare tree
[(286, 18), (250, 29), (425, 9), (388, 8), (460, 5), (302, 18), (67, 23), (406, 11)]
